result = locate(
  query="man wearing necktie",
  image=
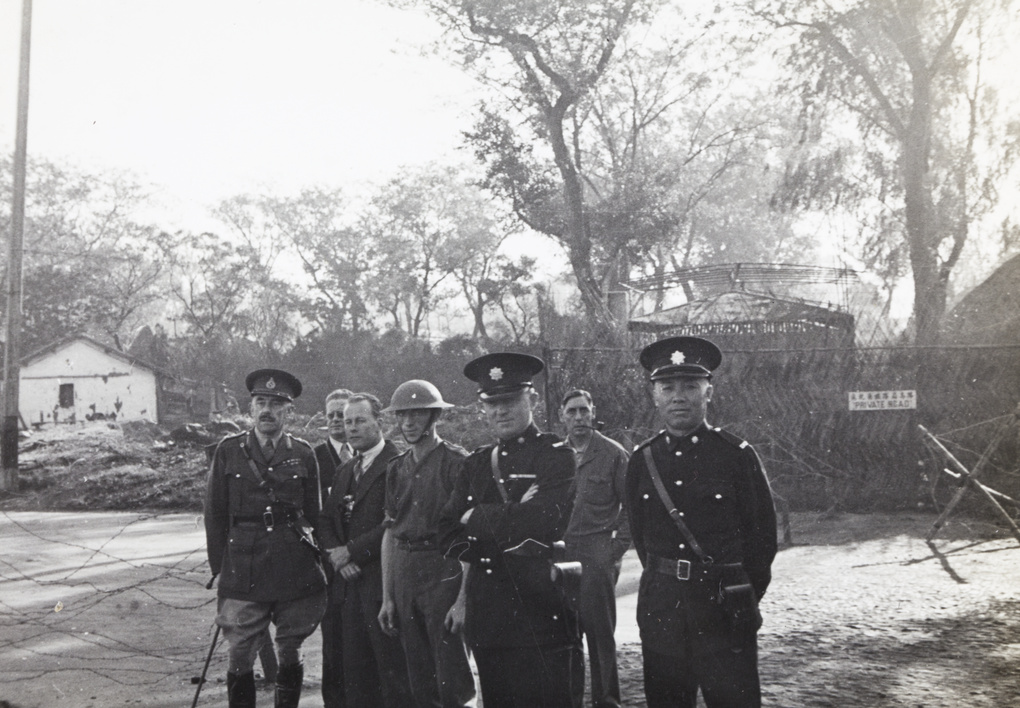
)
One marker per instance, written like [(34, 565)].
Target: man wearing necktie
[(262, 498), (335, 450), (372, 664)]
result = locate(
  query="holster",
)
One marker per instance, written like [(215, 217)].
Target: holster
[(740, 605)]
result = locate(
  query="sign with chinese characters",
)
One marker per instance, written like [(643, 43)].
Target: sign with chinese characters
[(882, 400)]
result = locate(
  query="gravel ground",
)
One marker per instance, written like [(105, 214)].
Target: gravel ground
[(109, 609)]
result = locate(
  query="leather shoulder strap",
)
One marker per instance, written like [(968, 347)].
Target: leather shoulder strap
[(653, 472)]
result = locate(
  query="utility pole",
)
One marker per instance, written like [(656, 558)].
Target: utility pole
[(12, 323)]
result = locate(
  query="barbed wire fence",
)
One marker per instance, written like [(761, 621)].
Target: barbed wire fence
[(793, 406), (90, 601)]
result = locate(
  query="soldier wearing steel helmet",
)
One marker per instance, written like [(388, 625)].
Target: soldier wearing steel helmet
[(706, 535), (262, 500), (423, 600), (511, 504)]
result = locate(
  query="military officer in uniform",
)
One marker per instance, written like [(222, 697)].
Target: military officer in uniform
[(706, 536), (509, 507), (262, 503)]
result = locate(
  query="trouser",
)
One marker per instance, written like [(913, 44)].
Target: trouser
[(528, 677), (425, 587), (374, 667), (727, 679), (686, 643), (244, 624), (332, 649), (597, 610)]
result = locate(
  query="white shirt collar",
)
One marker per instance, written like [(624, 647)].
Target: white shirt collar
[(368, 456)]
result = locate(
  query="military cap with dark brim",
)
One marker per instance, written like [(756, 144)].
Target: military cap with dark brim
[(503, 374), (273, 382), (680, 356)]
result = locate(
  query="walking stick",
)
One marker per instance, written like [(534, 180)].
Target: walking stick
[(208, 658)]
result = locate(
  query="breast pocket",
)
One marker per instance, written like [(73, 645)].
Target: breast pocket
[(289, 479)]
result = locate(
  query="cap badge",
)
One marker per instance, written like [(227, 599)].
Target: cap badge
[(414, 395), (677, 357), (270, 384), (495, 373)]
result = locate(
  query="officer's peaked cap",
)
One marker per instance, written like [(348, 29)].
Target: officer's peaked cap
[(680, 356), (503, 374), (273, 382)]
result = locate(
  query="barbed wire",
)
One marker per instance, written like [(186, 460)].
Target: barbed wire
[(101, 602)]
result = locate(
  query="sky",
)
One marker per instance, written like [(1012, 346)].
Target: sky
[(207, 99)]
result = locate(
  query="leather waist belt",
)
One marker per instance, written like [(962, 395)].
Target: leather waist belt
[(420, 544), (267, 519), (684, 569)]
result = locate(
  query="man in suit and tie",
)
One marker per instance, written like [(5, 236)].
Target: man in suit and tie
[(332, 454), (335, 450), (374, 668)]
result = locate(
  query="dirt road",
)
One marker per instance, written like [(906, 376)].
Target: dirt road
[(109, 609)]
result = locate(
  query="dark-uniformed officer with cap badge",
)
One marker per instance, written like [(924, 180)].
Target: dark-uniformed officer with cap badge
[(262, 504), (510, 505), (706, 536)]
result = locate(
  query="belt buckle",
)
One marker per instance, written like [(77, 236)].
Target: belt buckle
[(683, 570), (267, 518)]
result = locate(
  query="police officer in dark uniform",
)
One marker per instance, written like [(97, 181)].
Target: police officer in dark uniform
[(707, 564), (510, 505), (261, 506)]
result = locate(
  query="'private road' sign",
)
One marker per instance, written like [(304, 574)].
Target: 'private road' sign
[(882, 400)]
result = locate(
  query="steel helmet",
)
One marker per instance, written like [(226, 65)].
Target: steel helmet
[(416, 394)]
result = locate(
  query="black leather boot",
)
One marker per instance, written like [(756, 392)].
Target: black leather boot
[(288, 685), (241, 690)]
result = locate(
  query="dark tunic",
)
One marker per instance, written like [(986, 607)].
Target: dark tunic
[(511, 600), (717, 483), (254, 563)]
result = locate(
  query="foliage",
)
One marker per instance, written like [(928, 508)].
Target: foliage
[(89, 264), (930, 146)]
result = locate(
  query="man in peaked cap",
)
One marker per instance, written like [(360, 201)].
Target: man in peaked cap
[(704, 526), (420, 584), (510, 505), (261, 507)]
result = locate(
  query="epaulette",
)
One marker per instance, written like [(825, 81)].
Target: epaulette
[(730, 438), (483, 450), (650, 440), (455, 448), (295, 438)]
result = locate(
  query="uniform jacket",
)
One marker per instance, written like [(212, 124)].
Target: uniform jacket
[(599, 505), (253, 562), (717, 483), (511, 600), (362, 532)]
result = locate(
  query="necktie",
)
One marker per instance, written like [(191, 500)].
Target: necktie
[(358, 468), (267, 449)]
